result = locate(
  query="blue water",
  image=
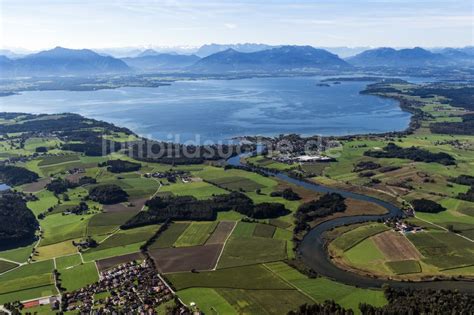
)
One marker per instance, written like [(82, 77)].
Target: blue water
[(216, 110), (4, 187)]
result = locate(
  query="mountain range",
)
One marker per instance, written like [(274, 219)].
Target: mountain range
[(415, 57), (62, 61), (276, 59), (151, 60)]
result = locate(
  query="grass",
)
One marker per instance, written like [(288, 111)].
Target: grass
[(79, 276), (366, 256), (51, 160), (127, 237), (264, 230), (6, 265), (111, 252), (20, 254), (263, 301), (170, 235), (243, 229), (28, 294), (355, 236), (58, 228), (246, 277), (404, 266), (195, 234), (28, 270), (321, 289), (443, 249), (55, 250), (27, 282), (241, 251), (200, 190), (237, 183), (68, 261), (207, 300)]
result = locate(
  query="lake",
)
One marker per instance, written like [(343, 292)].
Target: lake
[(215, 110)]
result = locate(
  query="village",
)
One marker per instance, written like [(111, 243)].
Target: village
[(133, 287)]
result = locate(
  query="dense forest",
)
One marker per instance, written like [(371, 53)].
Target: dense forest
[(60, 185), (108, 194), (18, 223), (409, 301), (426, 205), (287, 194), (190, 208), (326, 308), (326, 205), (14, 175), (466, 127), (457, 97), (412, 153)]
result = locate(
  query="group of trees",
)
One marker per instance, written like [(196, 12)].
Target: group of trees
[(14, 175), (426, 205), (61, 185), (466, 127), (326, 308), (18, 223), (467, 180), (412, 153), (410, 301), (161, 209), (326, 205), (287, 194), (121, 166), (365, 166), (108, 194)]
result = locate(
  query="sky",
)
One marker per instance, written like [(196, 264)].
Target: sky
[(40, 24)]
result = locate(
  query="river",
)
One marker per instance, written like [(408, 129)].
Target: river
[(314, 253)]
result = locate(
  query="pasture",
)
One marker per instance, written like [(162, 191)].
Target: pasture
[(256, 277), (79, 276)]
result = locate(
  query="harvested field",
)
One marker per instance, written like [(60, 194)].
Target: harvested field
[(137, 205), (36, 186), (108, 263), (186, 258), (395, 246), (221, 232)]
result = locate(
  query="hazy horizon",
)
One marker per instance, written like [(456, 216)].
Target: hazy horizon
[(43, 24)]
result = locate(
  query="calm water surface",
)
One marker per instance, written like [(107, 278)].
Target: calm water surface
[(221, 109)]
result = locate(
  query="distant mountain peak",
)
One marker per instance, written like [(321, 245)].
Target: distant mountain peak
[(280, 58), (389, 57)]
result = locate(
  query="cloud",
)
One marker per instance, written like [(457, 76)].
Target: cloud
[(230, 25)]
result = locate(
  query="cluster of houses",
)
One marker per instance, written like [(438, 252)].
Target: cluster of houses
[(130, 288), (403, 227), (171, 175), (75, 170), (288, 159)]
